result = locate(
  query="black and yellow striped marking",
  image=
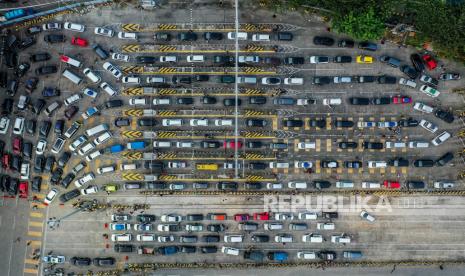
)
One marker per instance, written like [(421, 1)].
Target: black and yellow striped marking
[(165, 91), (133, 176), (132, 155), (254, 27), (133, 69), (167, 48), (252, 70), (166, 156), (253, 134), (166, 134), (130, 27), (131, 48), (254, 178), (132, 134), (165, 113), (251, 113), (133, 112), (167, 27), (254, 156), (136, 91), (254, 92), (254, 48), (167, 177), (167, 70)]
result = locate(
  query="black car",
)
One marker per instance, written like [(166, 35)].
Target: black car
[(210, 238), (122, 122), (443, 160), (114, 103), (348, 145), (64, 159), (71, 111), (254, 144), (387, 80), (123, 248), (40, 57), (4, 183), (31, 84), (7, 106), (365, 79), (154, 165), (181, 79), (216, 228), (232, 102), (227, 79), (416, 184), (342, 59), (3, 79), (56, 176), (26, 43), (194, 217), (323, 40), (227, 186), (49, 163), (294, 60), (422, 163), (417, 62), (54, 38), (408, 122), (27, 150), (321, 184), (11, 59), (187, 249), (59, 125), (201, 78), (13, 186), (343, 123), (22, 69), (209, 100), (293, 123), (2, 147), (67, 180), (107, 261), (257, 166), (321, 80), (146, 122), (359, 101), (285, 36), (381, 101), (373, 145), (145, 218), (39, 164), (50, 92), (398, 162), (223, 59), (253, 185), (15, 163), (317, 123), (38, 106), (409, 71), (185, 100), (208, 249), (255, 123), (146, 59), (260, 238), (46, 70), (370, 46), (102, 53), (346, 43), (212, 36), (446, 116), (353, 164), (257, 100), (31, 127), (162, 36), (36, 184), (210, 144), (70, 195), (189, 36), (274, 61), (329, 215), (80, 261)]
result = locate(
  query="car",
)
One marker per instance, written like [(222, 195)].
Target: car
[(46, 70), (323, 40), (364, 59), (423, 107), (293, 123), (441, 138), (51, 26), (359, 101), (50, 92), (294, 60), (343, 123), (34, 30), (22, 69), (429, 61), (408, 83), (145, 218), (54, 38), (450, 76), (255, 123), (342, 79), (329, 164), (54, 259), (430, 91), (446, 116), (386, 124), (184, 79), (50, 196), (423, 163), (391, 184), (319, 59), (370, 46), (185, 100), (80, 261), (4, 124), (146, 122), (417, 62), (342, 59), (322, 80), (411, 184), (271, 81), (444, 184), (409, 71), (162, 36), (428, 126), (127, 35), (31, 84), (317, 123), (348, 145), (373, 145), (78, 41), (387, 79), (257, 100), (187, 36), (115, 71), (429, 80), (398, 162), (401, 99), (366, 216), (120, 57), (353, 164), (114, 103)]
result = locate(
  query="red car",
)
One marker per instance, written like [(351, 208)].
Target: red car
[(391, 184), (241, 217), (430, 62), (401, 100), (232, 144), (6, 161), (79, 41), (23, 189), (261, 216), (17, 145)]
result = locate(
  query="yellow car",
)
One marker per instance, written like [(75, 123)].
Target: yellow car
[(365, 59), (111, 188)]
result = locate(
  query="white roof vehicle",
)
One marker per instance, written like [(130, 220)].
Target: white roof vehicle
[(423, 107), (83, 180), (274, 186), (168, 58), (125, 35), (365, 215), (92, 76), (51, 26), (74, 27), (72, 99), (430, 91), (108, 88), (371, 185), (50, 196), (308, 215), (428, 126), (443, 184), (171, 218), (251, 59), (279, 165), (260, 37), (90, 92), (240, 35), (18, 127), (89, 190), (332, 101), (138, 101), (104, 31), (223, 122), (195, 58), (130, 80), (294, 81), (4, 124), (306, 101), (198, 122), (306, 145), (171, 122), (161, 101), (120, 57), (441, 138), (407, 82), (41, 145), (306, 255), (113, 70)]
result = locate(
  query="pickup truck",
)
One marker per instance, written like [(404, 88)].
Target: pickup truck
[(136, 145), (146, 250)]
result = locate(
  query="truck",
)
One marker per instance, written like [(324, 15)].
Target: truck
[(352, 255), (278, 256), (91, 111), (115, 148), (10, 15), (146, 250), (136, 145)]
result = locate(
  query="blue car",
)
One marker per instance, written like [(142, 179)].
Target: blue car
[(120, 226), (50, 92), (168, 250)]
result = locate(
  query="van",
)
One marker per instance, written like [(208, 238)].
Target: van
[(160, 101), (371, 185), (294, 81), (86, 148), (106, 169), (72, 77), (340, 239), (195, 58), (247, 80), (96, 129), (285, 36), (18, 127), (91, 75), (396, 145), (207, 167), (145, 237), (126, 167), (103, 138), (162, 144), (314, 238), (25, 168), (271, 226), (70, 61), (418, 144), (51, 108), (108, 88), (325, 226), (93, 155), (102, 53), (230, 251), (121, 237), (377, 164), (344, 184), (233, 238), (79, 167), (132, 186), (284, 101), (278, 146), (297, 185), (261, 37), (155, 80)]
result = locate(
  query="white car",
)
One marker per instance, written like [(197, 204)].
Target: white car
[(171, 122), (332, 101), (198, 122), (441, 138), (168, 58), (52, 26), (103, 138), (113, 70), (171, 218), (240, 35), (41, 145), (184, 144), (443, 184), (104, 32), (371, 185), (83, 180), (91, 75), (306, 101), (308, 216), (248, 59), (23, 100), (423, 107), (169, 238), (303, 164), (4, 124), (223, 122), (74, 27), (319, 59), (279, 165), (195, 58), (120, 57), (177, 164), (125, 35), (306, 255), (407, 82), (261, 37), (194, 227), (342, 79), (428, 126), (138, 101), (18, 127), (304, 145), (130, 80), (108, 88), (72, 99), (161, 101), (294, 81), (89, 190), (274, 186), (430, 91), (365, 215), (164, 227), (50, 196), (271, 81), (283, 216)]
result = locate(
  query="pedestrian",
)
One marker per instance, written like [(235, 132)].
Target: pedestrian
[(28, 243), (18, 239)]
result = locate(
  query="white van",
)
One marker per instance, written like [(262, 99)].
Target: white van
[(297, 185), (418, 144), (18, 127), (138, 101), (145, 237), (72, 99), (333, 101), (240, 35), (246, 80), (340, 239), (127, 167), (396, 145), (93, 155), (25, 170), (108, 88), (91, 75), (344, 184), (121, 237), (377, 164), (124, 35), (162, 144), (196, 58), (271, 226), (260, 37), (72, 77), (106, 169), (168, 58), (171, 122), (304, 145), (314, 238), (325, 226), (86, 148), (371, 185), (230, 251), (103, 138), (51, 108), (156, 80), (159, 101), (71, 61), (223, 122), (294, 81), (233, 238), (96, 129)]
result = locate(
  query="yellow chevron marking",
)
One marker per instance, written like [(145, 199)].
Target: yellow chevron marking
[(36, 215)]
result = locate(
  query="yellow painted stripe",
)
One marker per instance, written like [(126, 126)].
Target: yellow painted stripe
[(36, 215), (36, 243), (44, 187), (34, 234), (31, 261), (35, 223), (39, 196), (31, 271), (39, 205)]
